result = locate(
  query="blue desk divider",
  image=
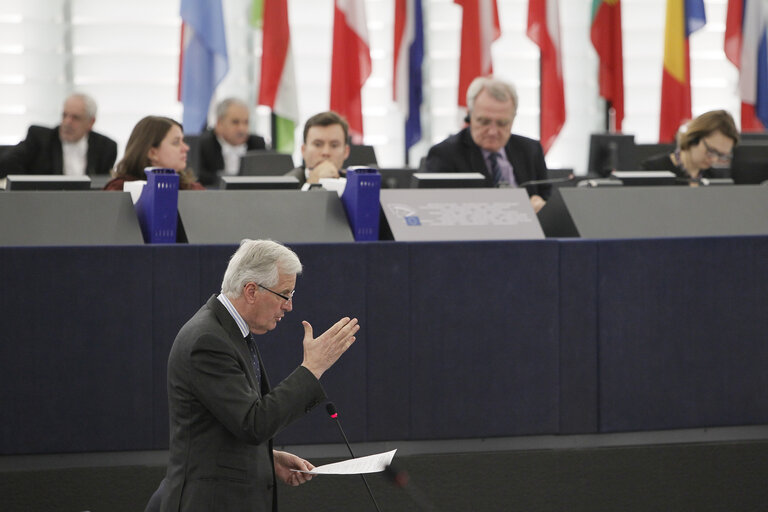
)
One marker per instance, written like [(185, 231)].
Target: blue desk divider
[(361, 201), (157, 206)]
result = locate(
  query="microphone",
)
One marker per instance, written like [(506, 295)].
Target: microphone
[(550, 181), (331, 409)]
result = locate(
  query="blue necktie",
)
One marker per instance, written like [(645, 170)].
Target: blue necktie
[(495, 171), (254, 358)]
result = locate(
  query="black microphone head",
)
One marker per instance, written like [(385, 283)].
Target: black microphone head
[(331, 409)]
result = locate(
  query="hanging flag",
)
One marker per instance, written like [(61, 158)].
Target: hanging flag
[(408, 58), (479, 28), (277, 88), (544, 30), (684, 17), (203, 61), (350, 64), (745, 47), (606, 38)]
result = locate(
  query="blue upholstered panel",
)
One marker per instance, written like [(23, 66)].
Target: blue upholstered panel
[(332, 286), (484, 339), (75, 349), (389, 341), (578, 332), (176, 296), (683, 331)]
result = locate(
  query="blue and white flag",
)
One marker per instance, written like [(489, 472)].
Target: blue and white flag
[(203, 60), (409, 56)]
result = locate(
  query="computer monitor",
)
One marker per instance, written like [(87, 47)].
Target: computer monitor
[(46, 182), (360, 154), (259, 182), (265, 163), (645, 178), (750, 164), (399, 177), (448, 180), (610, 151)]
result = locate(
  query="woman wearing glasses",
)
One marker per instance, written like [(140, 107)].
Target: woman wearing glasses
[(704, 142)]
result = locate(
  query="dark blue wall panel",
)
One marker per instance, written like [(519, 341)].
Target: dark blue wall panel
[(484, 339), (683, 331)]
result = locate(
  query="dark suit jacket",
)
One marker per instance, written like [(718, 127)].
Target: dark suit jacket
[(211, 159), (221, 423), (459, 153), (41, 153)]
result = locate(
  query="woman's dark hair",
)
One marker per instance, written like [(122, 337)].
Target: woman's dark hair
[(148, 133)]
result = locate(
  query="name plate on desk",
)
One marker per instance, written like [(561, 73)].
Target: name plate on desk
[(460, 214)]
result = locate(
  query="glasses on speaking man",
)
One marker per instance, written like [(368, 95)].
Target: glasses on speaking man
[(286, 298)]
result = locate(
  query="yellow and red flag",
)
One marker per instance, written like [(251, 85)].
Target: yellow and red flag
[(684, 17)]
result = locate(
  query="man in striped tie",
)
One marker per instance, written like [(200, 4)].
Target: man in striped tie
[(487, 145)]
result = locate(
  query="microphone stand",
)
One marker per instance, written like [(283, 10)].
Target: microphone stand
[(333, 414)]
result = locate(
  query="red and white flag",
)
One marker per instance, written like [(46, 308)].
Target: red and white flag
[(350, 64), (544, 30), (479, 28)]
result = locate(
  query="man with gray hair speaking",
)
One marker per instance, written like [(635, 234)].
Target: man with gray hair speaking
[(487, 145), (223, 410), (72, 148)]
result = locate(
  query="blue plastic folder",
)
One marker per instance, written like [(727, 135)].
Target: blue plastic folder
[(156, 208), (361, 202)]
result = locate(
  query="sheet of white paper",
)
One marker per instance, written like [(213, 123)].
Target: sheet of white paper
[(370, 464)]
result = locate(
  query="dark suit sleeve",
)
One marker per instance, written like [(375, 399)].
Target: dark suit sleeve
[(102, 153), (256, 142), (540, 173), (442, 157), (211, 159), (220, 384), (18, 159)]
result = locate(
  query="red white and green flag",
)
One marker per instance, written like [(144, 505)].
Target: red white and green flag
[(277, 88)]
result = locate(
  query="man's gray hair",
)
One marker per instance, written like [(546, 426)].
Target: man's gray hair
[(498, 89), (89, 102), (260, 262), (223, 106)]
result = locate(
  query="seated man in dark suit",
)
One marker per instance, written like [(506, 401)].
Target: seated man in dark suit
[(221, 148), (325, 147), (72, 148), (487, 146)]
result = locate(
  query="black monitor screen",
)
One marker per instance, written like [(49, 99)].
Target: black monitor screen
[(750, 164), (396, 177), (46, 182), (259, 182), (448, 180), (608, 152)]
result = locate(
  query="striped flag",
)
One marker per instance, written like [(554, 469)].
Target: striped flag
[(408, 58), (277, 88), (350, 63), (203, 61), (684, 17), (479, 28), (606, 38), (745, 47), (544, 30)]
